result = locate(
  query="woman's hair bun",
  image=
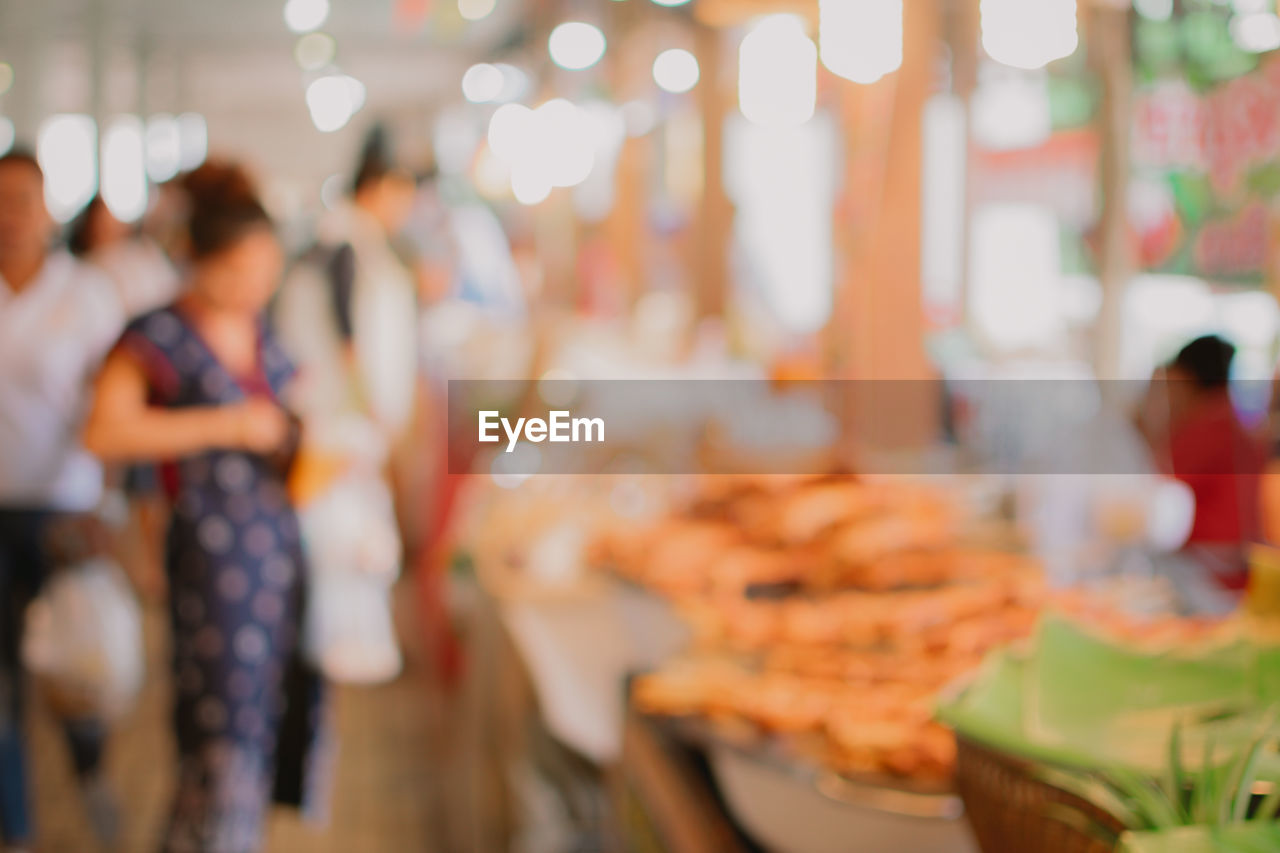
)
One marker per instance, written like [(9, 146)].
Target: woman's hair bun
[(224, 206), (219, 182)]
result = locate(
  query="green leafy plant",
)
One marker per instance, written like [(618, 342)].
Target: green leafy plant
[(1218, 795)]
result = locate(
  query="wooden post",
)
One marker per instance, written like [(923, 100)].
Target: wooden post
[(1107, 31), (880, 327), (714, 225), (878, 324), (964, 75), (627, 227)]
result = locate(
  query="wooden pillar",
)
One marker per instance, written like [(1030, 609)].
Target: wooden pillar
[(626, 228), (878, 324), (1107, 32), (964, 71), (714, 225), (556, 238), (879, 327)]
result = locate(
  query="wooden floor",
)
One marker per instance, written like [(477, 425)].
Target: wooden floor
[(404, 748)]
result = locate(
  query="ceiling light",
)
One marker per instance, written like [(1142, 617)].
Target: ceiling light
[(303, 16), (575, 45), (675, 70)]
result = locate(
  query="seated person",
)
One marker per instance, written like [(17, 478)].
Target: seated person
[(1203, 444)]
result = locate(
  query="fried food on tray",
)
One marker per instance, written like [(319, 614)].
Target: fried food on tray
[(788, 703), (866, 540), (744, 566), (675, 557), (885, 730), (732, 621), (847, 619), (805, 514), (832, 532), (857, 668), (686, 688), (926, 567), (849, 605)]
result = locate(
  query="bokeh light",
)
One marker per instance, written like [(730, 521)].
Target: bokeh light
[(515, 83), (1028, 34), (1256, 32), (777, 73), (675, 70), (163, 148), (124, 173), (860, 40), (552, 146), (475, 10), (1154, 10), (193, 140), (575, 45), (314, 51), (333, 100), (482, 83), (505, 128), (66, 148), (303, 16)]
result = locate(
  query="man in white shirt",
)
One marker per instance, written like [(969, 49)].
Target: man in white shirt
[(58, 318), (349, 320)]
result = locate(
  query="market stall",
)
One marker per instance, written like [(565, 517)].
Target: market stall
[(776, 647)]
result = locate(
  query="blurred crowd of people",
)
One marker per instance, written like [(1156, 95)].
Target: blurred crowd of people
[(239, 416)]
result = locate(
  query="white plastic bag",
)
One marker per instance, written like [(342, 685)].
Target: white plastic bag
[(353, 548), (83, 640)]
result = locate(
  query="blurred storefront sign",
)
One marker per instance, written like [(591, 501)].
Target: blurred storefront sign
[(1060, 174), (1206, 164)]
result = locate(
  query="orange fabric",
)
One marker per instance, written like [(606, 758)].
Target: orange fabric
[(313, 473)]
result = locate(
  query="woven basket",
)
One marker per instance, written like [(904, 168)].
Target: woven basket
[(1010, 810)]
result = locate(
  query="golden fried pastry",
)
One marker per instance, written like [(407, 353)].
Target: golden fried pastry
[(895, 611), (935, 567), (685, 688), (749, 624), (678, 554), (742, 566), (805, 514), (816, 622), (875, 537), (787, 703)]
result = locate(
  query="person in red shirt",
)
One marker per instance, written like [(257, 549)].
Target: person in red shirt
[(1205, 446)]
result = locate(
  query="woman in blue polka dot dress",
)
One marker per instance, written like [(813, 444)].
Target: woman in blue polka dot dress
[(198, 386)]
